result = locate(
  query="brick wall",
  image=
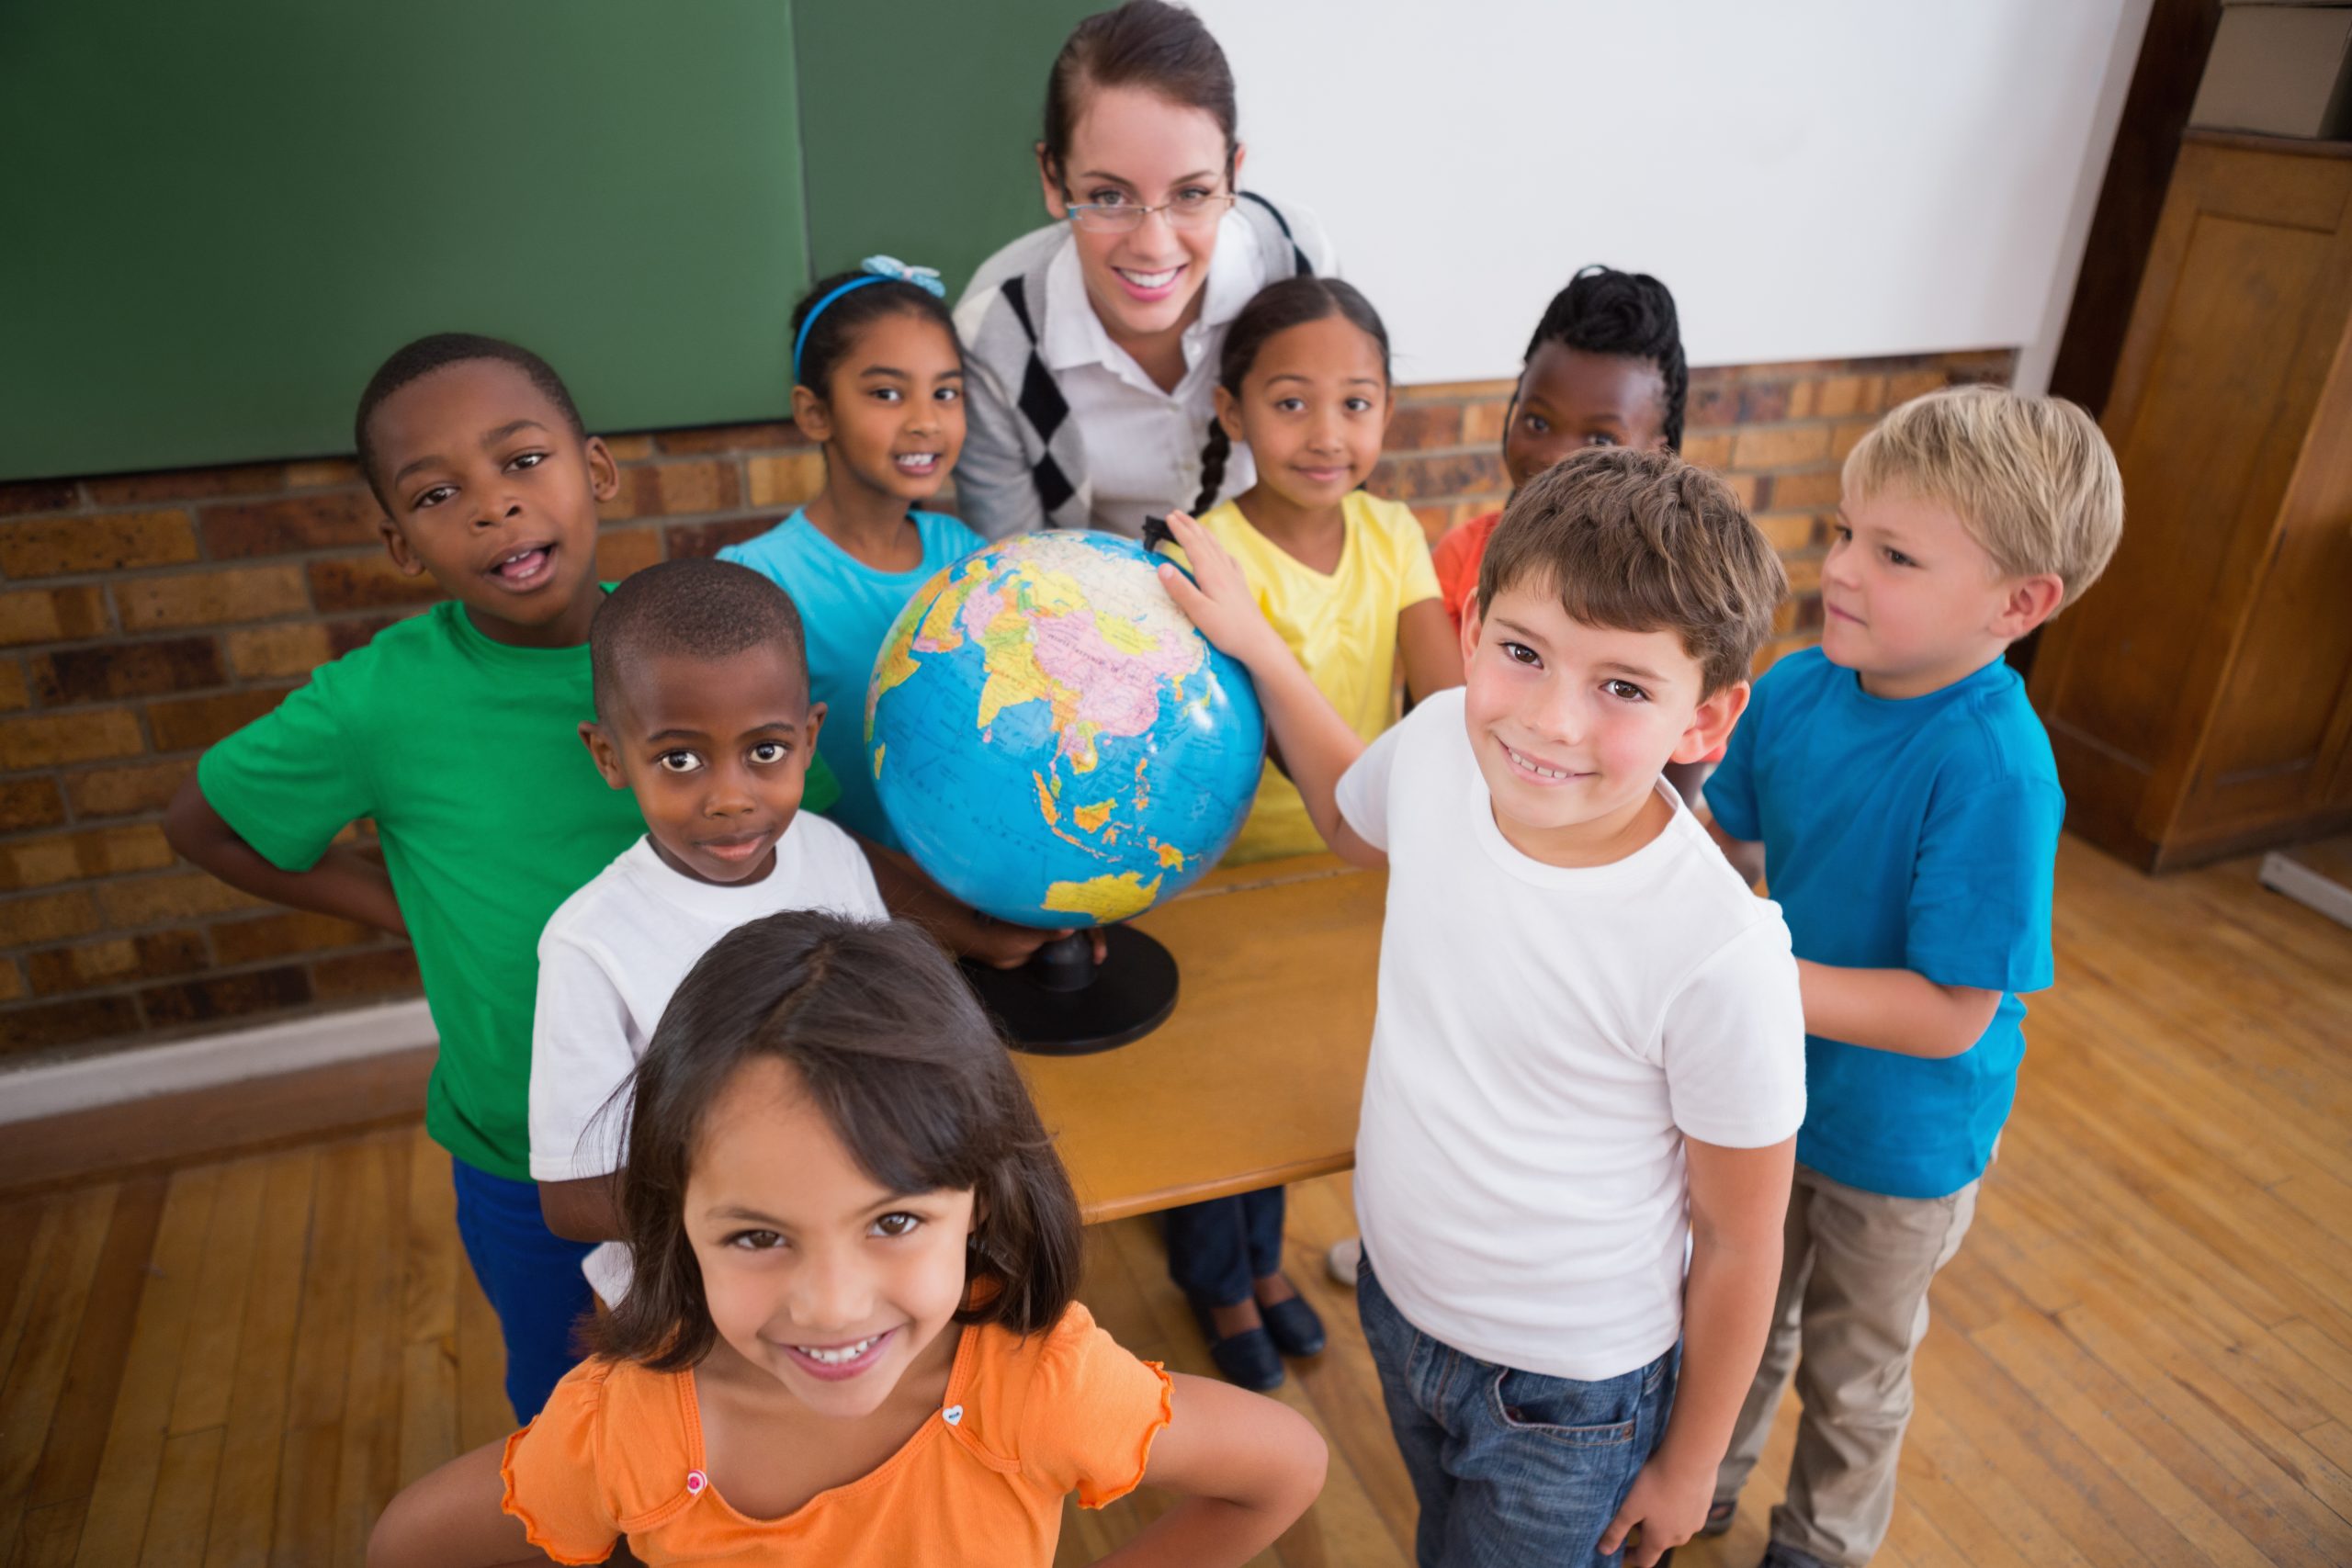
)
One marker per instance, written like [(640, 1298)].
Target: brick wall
[(145, 616)]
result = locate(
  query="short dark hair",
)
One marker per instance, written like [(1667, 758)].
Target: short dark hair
[(695, 609), (1277, 308), (1643, 541), (414, 362), (1630, 314), (889, 1042), (1143, 43), (839, 324)]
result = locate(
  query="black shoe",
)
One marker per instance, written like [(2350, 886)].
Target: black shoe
[(1777, 1555), (1295, 1330), (1247, 1359)]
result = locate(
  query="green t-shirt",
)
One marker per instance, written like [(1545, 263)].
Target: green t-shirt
[(467, 754)]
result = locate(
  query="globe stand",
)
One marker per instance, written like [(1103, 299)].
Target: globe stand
[(1062, 1003)]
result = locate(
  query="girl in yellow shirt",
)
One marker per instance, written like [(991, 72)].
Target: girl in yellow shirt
[(1345, 578)]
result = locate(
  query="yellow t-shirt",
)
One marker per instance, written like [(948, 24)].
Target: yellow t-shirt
[(1342, 628)]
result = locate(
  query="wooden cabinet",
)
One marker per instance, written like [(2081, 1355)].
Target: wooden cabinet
[(2200, 697)]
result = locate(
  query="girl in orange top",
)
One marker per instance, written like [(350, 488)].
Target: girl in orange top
[(852, 1337)]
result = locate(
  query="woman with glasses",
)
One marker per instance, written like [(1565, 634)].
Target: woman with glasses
[(1094, 342)]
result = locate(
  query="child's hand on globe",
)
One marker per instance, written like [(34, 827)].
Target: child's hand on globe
[(1216, 597)]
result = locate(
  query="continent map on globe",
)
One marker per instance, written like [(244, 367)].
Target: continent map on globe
[(1053, 740)]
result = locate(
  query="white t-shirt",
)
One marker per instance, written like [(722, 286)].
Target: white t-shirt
[(1545, 1041), (610, 958)]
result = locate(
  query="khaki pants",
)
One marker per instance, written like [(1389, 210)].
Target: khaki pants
[(1851, 1311)]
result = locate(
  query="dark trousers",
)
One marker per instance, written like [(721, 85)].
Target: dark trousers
[(1217, 1250), (531, 1276)]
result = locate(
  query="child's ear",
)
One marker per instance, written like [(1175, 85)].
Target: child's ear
[(1050, 183), (601, 749), (809, 412), (1387, 410), (1711, 726), (603, 472), (1471, 623), (816, 724), (1228, 415), (396, 545), (2029, 601)]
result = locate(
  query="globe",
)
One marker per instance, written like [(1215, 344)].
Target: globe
[(1053, 740)]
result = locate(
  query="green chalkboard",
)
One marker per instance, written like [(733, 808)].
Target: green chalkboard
[(220, 216), (918, 122)]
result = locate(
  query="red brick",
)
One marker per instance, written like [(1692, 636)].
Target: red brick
[(30, 803), (1805, 573), (54, 547), (14, 695), (1707, 449), (1779, 648), (732, 438), (1711, 404), (383, 972), (1421, 427), (1845, 396), (692, 540), (287, 648), (1434, 519), (53, 614), (1482, 422), (320, 522), (1804, 398), (211, 598), (66, 1023), (1410, 478), (367, 582), (1847, 437), (1780, 446), (116, 670), (48, 917), (76, 857), (12, 981), (194, 723), (786, 480), (1764, 402), (1748, 488), (186, 484), (224, 996), (1910, 384), (37, 496), (620, 551), (180, 895), (1790, 530), (1808, 487), (126, 792), (629, 448), (151, 957), (51, 740), (319, 473), (282, 936)]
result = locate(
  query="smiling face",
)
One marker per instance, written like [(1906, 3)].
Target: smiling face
[(489, 490), (891, 418), (1572, 722), (1910, 601), (1132, 146), (716, 752), (813, 1273), (1569, 400), (1313, 409)]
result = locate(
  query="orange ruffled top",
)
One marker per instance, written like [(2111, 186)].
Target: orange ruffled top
[(618, 1452)]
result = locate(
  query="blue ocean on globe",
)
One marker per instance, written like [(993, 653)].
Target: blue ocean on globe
[(1053, 740)]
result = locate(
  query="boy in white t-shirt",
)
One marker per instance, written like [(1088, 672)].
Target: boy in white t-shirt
[(1588, 1045), (703, 711)]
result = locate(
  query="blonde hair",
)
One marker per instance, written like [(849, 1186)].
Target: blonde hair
[(2032, 479)]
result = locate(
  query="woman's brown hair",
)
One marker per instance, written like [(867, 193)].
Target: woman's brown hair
[(1143, 43), (888, 1041)]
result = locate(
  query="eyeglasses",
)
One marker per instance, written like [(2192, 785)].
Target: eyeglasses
[(1185, 209)]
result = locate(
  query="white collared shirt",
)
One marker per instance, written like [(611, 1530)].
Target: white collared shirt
[(1143, 444)]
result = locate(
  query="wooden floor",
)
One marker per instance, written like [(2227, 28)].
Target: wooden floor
[(2143, 1354)]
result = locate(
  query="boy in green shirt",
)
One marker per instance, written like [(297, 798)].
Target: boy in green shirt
[(458, 733)]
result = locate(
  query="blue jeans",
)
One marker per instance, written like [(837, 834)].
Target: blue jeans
[(1510, 1468), (1217, 1250), (531, 1276)]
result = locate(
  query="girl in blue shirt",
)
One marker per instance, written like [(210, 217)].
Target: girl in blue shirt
[(879, 381)]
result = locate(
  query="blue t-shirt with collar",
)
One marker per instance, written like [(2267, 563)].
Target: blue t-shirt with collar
[(846, 608), (1919, 834)]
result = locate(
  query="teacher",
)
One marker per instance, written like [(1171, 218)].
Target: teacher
[(1094, 342)]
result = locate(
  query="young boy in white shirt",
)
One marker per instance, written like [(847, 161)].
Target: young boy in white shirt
[(1588, 1043), (703, 711)]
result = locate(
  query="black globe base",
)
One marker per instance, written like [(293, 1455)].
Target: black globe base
[(1062, 1003)]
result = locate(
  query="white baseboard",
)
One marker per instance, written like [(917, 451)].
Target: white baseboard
[(207, 1061), (2307, 887)]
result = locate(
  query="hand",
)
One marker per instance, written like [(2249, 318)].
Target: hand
[(1001, 944), (1216, 597), (1668, 1503)]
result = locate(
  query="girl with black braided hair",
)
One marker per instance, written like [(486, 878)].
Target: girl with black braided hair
[(1604, 368)]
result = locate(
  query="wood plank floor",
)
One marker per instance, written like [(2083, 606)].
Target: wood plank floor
[(2143, 1354)]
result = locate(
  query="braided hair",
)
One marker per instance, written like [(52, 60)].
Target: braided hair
[(1278, 306), (1630, 314)]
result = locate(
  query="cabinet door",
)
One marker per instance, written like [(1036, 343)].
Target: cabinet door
[(2232, 339)]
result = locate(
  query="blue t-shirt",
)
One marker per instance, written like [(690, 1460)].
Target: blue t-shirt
[(846, 608), (1919, 835)]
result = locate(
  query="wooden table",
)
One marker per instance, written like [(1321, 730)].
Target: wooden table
[(1255, 1077)]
